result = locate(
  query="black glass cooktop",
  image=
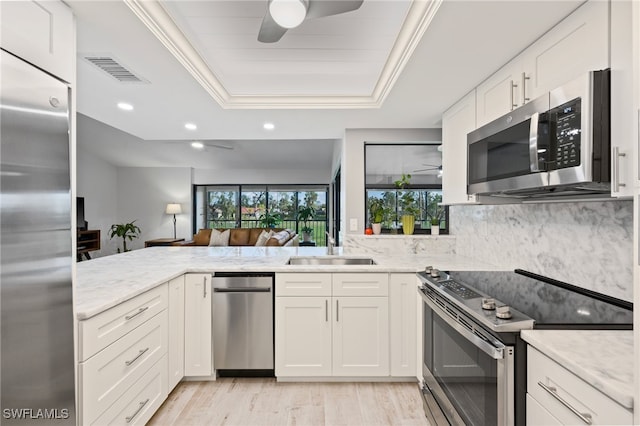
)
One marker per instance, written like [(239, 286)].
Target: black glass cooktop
[(549, 302)]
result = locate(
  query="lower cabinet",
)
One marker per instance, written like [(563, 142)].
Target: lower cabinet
[(176, 331), (198, 342), (329, 335), (557, 396), (403, 324)]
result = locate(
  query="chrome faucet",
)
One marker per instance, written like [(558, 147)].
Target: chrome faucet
[(331, 243)]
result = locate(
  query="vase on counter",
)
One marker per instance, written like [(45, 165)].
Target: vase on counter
[(377, 228), (435, 229), (408, 223)]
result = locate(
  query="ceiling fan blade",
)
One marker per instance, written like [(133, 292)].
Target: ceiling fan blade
[(270, 31), (219, 146), (320, 8)]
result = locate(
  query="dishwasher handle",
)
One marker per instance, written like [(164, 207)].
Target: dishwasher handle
[(242, 290)]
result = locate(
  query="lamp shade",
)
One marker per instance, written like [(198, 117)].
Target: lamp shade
[(173, 208)]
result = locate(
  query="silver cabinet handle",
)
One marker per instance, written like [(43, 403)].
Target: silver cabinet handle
[(135, 358), (513, 88), (204, 287), (524, 88), (585, 417), (326, 310), (141, 310), (616, 184), (337, 311), (140, 407)]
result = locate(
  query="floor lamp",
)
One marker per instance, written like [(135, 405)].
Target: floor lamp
[(174, 209)]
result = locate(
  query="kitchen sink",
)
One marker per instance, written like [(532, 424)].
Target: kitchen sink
[(303, 260)]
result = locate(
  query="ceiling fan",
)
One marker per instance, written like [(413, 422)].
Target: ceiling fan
[(430, 168), (196, 144), (285, 14)]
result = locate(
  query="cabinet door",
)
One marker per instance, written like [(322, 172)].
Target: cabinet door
[(403, 323), (623, 115), (41, 32), (457, 122), (361, 336), (303, 336), (197, 325), (578, 44), (176, 331), (498, 94)]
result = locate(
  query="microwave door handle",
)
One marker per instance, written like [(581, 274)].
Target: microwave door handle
[(533, 143)]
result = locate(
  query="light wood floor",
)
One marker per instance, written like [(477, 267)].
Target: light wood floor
[(259, 401)]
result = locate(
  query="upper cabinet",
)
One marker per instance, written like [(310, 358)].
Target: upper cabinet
[(636, 89), (457, 121), (578, 44), (40, 32)]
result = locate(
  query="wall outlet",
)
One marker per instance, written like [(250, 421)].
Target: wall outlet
[(353, 224)]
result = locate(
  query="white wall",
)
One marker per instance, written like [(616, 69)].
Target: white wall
[(143, 194), (97, 183), (352, 167)]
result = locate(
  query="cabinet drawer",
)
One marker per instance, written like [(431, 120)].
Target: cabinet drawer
[(97, 332), (359, 284), (303, 284), (138, 404), (584, 398), (537, 415), (107, 375)]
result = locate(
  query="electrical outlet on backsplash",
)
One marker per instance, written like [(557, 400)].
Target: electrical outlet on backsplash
[(588, 244)]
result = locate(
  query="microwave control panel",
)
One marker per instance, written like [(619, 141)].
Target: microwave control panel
[(566, 119)]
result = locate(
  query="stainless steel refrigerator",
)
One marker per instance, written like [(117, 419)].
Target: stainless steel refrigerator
[(37, 348)]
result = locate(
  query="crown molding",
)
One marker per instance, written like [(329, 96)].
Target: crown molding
[(154, 16)]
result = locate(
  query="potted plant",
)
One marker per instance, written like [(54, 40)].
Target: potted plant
[(124, 231), (377, 214), (408, 204), (305, 214), (435, 212), (270, 220)]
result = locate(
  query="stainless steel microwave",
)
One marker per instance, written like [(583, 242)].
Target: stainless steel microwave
[(556, 145)]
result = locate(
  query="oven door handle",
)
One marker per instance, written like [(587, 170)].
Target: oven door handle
[(494, 349)]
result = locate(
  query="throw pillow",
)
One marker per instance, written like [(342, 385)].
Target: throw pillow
[(263, 238), (218, 238)]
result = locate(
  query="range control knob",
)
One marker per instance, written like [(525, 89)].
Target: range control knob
[(503, 312), (488, 303), (428, 269), (434, 273)]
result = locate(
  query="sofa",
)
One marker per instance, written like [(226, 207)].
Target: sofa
[(245, 237)]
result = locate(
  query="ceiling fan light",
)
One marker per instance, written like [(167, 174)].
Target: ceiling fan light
[(288, 13)]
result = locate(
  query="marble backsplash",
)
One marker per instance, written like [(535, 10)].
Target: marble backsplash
[(588, 244), (399, 245)]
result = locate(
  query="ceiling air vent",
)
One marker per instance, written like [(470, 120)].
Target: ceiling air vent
[(114, 68)]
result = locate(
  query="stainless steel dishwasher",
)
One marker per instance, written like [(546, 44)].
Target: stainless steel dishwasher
[(243, 323)]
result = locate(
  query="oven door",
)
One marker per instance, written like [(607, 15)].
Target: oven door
[(468, 374)]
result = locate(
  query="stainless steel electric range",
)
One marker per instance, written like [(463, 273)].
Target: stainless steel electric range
[(474, 361)]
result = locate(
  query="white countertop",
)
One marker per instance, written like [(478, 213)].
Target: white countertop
[(107, 281), (602, 358)]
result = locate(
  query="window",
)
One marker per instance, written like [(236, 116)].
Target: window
[(248, 206), (385, 164)]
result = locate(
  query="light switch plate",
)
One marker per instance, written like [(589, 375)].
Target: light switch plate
[(353, 224)]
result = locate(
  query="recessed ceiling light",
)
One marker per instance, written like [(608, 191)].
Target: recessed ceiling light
[(190, 126), (125, 106), (197, 145), (269, 126)]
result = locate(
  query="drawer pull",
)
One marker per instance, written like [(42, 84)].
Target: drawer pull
[(142, 352), (141, 310), (140, 407), (585, 417)]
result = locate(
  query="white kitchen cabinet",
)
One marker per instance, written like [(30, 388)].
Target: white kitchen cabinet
[(176, 331), (328, 334), (361, 336), (635, 30), (303, 336), (403, 323), (576, 45), (198, 344), (457, 122), (538, 415), (118, 347), (41, 32), (566, 397)]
